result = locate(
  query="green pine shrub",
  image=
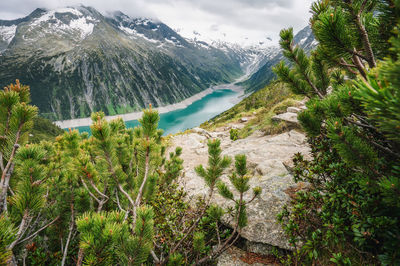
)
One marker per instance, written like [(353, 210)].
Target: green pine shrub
[(111, 198), (348, 214), (233, 134)]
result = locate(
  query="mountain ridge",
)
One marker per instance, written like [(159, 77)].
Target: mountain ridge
[(78, 61), (264, 75)]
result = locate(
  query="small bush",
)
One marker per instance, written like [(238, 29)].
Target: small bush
[(234, 133)]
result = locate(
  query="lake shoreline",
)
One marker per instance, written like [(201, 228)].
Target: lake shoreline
[(87, 121)]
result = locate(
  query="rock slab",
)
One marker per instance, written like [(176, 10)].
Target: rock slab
[(266, 156), (287, 117)]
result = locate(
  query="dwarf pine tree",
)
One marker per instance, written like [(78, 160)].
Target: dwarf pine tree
[(23, 168), (16, 119), (107, 239), (119, 164), (349, 213), (240, 182), (94, 199)]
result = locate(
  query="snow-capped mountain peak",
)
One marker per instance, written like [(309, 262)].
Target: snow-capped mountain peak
[(150, 30), (219, 38), (77, 20)]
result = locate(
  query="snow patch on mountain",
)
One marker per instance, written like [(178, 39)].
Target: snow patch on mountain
[(82, 24), (134, 34), (173, 41), (49, 15), (127, 30), (79, 22), (8, 32), (147, 39)]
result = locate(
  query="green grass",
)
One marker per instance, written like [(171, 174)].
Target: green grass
[(261, 106)]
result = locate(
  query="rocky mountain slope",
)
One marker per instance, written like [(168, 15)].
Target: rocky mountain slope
[(78, 61), (260, 78)]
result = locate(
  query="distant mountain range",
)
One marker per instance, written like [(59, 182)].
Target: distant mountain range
[(77, 61), (260, 78)]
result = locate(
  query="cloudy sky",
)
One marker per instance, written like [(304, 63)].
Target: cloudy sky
[(232, 20)]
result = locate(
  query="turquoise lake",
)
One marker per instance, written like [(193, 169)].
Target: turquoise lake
[(193, 115)]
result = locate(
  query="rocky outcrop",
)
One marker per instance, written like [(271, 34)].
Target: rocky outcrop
[(266, 157), (293, 109), (287, 117), (290, 116)]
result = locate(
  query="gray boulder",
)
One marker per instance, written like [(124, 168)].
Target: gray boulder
[(293, 109), (287, 117)]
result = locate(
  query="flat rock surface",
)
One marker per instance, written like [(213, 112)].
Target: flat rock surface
[(293, 109), (266, 156), (288, 117)]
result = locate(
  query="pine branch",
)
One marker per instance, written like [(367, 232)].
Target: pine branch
[(4, 188), (155, 258), (104, 197), (71, 227), (126, 195), (97, 190), (228, 246), (32, 226), (359, 65), (118, 203), (385, 149), (112, 171), (4, 183), (370, 58), (192, 227), (362, 7), (14, 150), (252, 199), (80, 257), (351, 52), (355, 52), (381, 147), (1, 161), (146, 174), (307, 78), (90, 193), (20, 230), (227, 243), (348, 66), (38, 231), (218, 236), (361, 124), (344, 63)]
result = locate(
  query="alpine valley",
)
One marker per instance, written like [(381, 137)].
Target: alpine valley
[(78, 61)]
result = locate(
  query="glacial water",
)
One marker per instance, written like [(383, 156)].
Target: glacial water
[(193, 115)]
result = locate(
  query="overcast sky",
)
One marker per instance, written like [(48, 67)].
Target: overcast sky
[(235, 19)]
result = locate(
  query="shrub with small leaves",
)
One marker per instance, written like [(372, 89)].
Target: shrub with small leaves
[(348, 213), (234, 134)]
